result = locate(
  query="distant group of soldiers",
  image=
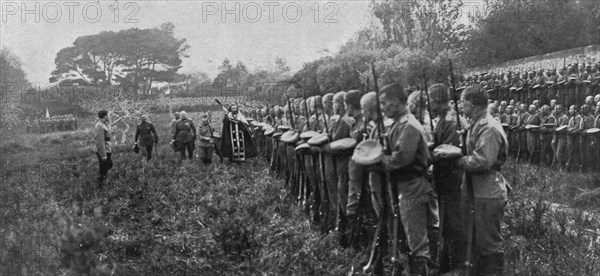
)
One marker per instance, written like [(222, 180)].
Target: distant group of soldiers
[(53, 124), (564, 137), (387, 174), (551, 115), (569, 85)]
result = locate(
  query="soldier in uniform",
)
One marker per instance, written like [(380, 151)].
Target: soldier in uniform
[(447, 179), (515, 84), (102, 146), (341, 126), (358, 187), (546, 135), (587, 122), (572, 138), (532, 135), (551, 82), (572, 86), (487, 151), (206, 139), (174, 121), (596, 138), (417, 105), (559, 139), (145, 136), (523, 153), (406, 168), (330, 177), (513, 124), (184, 136)]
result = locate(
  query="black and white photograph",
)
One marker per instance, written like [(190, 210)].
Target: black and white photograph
[(300, 137)]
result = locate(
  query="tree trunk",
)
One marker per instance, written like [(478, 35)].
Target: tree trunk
[(150, 82), (124, 137)]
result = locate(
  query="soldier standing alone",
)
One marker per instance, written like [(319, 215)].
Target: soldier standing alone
[(184, 136), (145, 136)]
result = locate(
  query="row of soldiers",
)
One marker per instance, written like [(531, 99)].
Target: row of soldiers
[(556, 135), (53, 124), (406, 193), (569, 84)]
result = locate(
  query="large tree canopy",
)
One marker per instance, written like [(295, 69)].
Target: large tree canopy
[(135, 57), (429, 25), (513, 29), (12, 82)]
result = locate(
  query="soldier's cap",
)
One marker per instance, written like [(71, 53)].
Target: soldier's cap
[(394, 91), (102, 113), (327, 98), (339, 97), (369, 100), (318, 101), (352, 98), (283, 128)]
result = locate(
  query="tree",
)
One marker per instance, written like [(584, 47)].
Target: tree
[(122, 108), (13, 81), (430, 25), (93, 58), (231, 76), (514, 29), (151, 55), (131, 57), (281, 66)]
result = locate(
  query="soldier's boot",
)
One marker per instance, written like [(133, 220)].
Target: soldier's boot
[(347, 225), (314, 210), (353, 232), (324, 216), (378, 268), (418, 266), (101, 182), (433, 236), (492, 265)]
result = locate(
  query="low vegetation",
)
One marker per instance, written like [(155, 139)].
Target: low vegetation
[(161, 218)]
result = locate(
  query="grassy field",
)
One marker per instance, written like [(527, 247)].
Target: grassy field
[(162, 218)]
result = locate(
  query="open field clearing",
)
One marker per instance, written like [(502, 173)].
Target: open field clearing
[(223, 219)]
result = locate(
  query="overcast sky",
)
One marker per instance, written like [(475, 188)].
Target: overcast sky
[(296, 31)]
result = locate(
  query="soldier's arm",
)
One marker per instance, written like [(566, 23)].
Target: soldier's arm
[(342, 130), (137, 134), (404, 148), (485, 153), (175, 131), (153, 130), (100, 141), (571, 125), (193, 129)]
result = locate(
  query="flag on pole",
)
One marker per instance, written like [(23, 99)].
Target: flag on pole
[(47, 113)]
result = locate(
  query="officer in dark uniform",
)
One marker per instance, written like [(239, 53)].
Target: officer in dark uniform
[(145, 136), (184, 136)]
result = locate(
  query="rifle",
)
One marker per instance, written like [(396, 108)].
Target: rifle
[(468, 180), (290, 104), (564, 93), (303, 183), (428, 104)]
